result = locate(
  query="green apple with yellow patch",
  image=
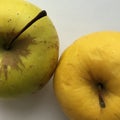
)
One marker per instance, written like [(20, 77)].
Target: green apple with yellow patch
[(29, 48)]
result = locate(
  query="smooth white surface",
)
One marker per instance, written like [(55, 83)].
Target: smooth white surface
[(72, 19)]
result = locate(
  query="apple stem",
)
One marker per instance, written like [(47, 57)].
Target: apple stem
[(101, 100), (40, 15)]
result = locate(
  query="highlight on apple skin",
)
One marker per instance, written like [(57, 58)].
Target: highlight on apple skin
[(87, 79), (29, 48)]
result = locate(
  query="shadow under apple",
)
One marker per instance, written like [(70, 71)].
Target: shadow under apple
[(32, 107)]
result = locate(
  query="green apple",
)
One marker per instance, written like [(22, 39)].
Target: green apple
[(87, 79), (29, 48)]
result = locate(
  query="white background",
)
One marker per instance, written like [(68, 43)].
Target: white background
[(72, 19)]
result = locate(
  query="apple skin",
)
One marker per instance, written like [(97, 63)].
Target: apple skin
[(31, 61), (90, 60)]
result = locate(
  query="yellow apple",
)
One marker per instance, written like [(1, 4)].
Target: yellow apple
[(87, 79), (28, 48)]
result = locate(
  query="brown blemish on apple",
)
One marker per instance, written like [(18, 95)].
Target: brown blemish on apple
[(18, 13), (12, 58), (40, 85), (10, 20), (50, 44), (16, 48)]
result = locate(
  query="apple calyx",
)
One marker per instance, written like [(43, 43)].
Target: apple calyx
[(100, 90), (40, 15)]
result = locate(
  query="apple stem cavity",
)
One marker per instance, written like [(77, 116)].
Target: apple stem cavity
[(101, 100), (40, 15)]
